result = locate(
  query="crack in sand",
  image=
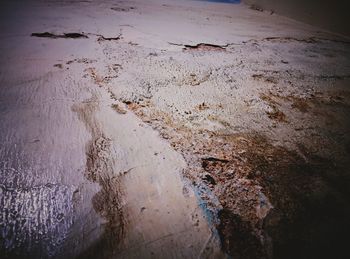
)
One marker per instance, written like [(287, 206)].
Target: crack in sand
[(75, 35), (72, 35), (201, 46)]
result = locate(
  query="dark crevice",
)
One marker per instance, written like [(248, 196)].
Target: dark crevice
[(72, 35), (205, 47), (201, 46), (103, 38)]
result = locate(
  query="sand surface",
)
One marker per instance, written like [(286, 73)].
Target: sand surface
[(170, 129)]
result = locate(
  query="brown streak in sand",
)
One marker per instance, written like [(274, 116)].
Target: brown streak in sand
[(100, 169)]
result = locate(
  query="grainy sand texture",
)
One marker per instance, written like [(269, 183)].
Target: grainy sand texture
[(171, 129)]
